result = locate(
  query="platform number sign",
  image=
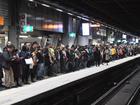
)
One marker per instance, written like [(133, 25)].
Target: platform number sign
[(72, 35), (27, 28)]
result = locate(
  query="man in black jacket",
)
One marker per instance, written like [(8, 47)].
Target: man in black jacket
[(97, 56)]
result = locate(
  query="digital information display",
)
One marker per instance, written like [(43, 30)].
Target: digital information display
[(85, 29)]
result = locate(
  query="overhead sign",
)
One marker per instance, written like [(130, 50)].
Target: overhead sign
[(28, 28), (1, 20), (55, 27), (72, 34)]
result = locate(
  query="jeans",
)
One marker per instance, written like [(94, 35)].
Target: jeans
[(40, 71), (9, 78)]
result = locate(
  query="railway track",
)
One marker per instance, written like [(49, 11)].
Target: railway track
[(126, 92)]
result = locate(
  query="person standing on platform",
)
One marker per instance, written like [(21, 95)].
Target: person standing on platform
[(113, 53), (33, 67), (71, 65), (9, 76), (86, 57), (1, 71), (77, 58), (68, 59), (25, 71), (63, 59), (102, 55), (82, 57), (46, 60), (97, 56), (121, 52), (15, 64), (40, 66), (107, 55), (50, 59), (1, 75), (57, 54)]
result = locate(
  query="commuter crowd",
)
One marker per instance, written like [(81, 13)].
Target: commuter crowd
[(33, 63)]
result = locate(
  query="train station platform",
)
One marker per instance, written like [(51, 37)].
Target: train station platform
[(16, 95)]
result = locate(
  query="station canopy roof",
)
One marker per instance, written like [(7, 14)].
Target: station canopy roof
[(123, 14)]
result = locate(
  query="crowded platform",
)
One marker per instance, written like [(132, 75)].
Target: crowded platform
[(33, 62)]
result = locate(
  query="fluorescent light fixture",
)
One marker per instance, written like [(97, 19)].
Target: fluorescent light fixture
[(31, 0), (49, 20), (59, 10), (45, 5), (79, 17), (39, 18), (95, 25), (85, 19), (118, 41), (112, 39), (102, 24), (39, 37), (137, 40), (111, 42), (133, 39), (124, 36), (98, 33), (106, 26), (28, 15), (69, 13), (124, 41), (23, 36)]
